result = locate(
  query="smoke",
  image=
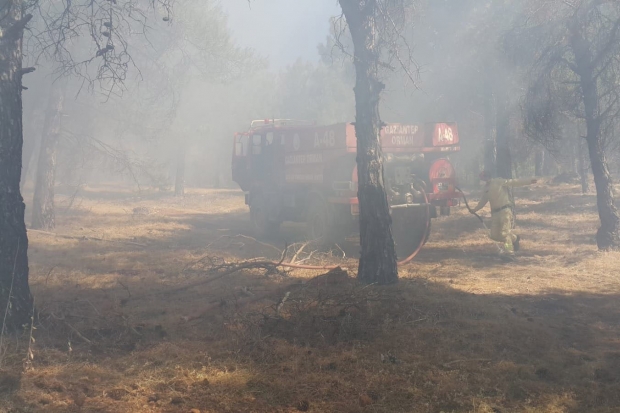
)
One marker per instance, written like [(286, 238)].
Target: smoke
[(261, 59), (282, 30)]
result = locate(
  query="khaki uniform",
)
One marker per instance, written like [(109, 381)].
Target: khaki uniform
[(497, 194)]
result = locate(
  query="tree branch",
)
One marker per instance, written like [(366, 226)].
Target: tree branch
[(611, 42), (27, 70)]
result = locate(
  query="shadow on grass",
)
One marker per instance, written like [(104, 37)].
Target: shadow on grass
[(414, 347)]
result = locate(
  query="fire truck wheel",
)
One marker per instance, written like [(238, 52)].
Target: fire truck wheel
[(320, 222), (263, 226)]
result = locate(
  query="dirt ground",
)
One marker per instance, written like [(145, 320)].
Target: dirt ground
[(139, 311)]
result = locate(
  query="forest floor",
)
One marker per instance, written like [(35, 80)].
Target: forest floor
[(138, 311)]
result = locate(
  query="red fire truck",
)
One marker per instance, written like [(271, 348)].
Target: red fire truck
[(298, 171)]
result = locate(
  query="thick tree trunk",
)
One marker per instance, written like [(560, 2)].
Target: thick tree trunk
[(15, 298), (473, 175), (608, 235), (539, 162), (378, 257), (179, 179), (490, 150), (489, 155), (504, 159), (43, 211)]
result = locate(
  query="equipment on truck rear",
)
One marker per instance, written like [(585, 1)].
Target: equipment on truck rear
[(299, 171)]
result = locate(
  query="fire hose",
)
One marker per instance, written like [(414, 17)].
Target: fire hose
[(471, 211)]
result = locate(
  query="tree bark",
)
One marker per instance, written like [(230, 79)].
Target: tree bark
[(583, 168), (490, 149), (608, 235), (43, 211), (378, 256), (179, 179), (15, 298), (503, 159)]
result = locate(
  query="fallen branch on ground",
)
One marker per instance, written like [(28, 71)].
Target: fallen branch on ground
[(299, 251), (208, 257), (232, 268), (77, 333), (229, 268), (331, 277)]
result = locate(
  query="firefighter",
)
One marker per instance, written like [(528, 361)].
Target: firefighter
[(497, 194)]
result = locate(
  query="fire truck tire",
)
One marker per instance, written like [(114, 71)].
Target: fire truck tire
[(259, 216), (320, 222)]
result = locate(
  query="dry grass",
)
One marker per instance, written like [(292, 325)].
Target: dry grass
[(462, 332)]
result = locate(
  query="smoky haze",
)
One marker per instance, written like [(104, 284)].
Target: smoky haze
[(214, 208), (195, 81), (282, 30)]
